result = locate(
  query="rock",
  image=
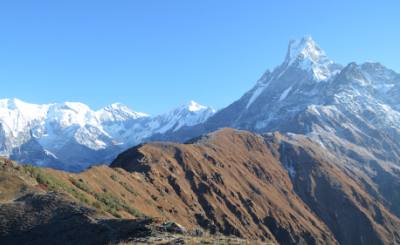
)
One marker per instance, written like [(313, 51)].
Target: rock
[(173, 227)]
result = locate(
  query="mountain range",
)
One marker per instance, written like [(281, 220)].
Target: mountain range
[(356, 104), (309, 155), (71, 136), (311, 94)]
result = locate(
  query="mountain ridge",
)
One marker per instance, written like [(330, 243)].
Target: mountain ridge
[(275, 188), (59, 129), (282, 99), (307, 93)]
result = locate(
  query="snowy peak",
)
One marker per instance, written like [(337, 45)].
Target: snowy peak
[(16, 104), (306, 65), (75, 106), (306, 55), (379, 73), (10, 104), (61, 130), (193, 106), (187, 115), (118, 112), (16, 115), (70, 113), (118, 107), (306, 49)]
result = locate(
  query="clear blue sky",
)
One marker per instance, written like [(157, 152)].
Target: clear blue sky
[(154, 55)]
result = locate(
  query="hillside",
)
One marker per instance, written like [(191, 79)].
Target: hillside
[(38, 206), (228, 182)]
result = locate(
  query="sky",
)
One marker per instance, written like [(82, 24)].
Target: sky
[(156, 55)]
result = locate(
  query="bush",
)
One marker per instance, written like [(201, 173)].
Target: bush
[(113, 204), (81, 185), (128, 188), (104, 201), (114, 177), (54, 184)]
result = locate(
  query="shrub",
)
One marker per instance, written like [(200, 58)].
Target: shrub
[(46, 179), (104, 200), (81, 185), (128, 188), (113, 204), (114, 177), (54, 184)]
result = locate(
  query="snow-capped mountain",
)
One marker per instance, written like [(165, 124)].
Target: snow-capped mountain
[(348, 108), (72, 136), (348, 116), (187, 115), (355, 107)]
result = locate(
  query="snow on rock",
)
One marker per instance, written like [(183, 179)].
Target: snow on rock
[(307, 55), (303, 54), (59, 127), (16, 115), (186, 115), (118, 112), (194, 106), (285, 93), (261, 85)]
